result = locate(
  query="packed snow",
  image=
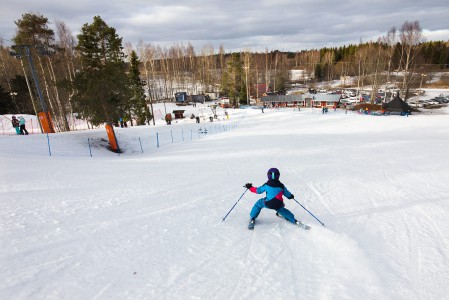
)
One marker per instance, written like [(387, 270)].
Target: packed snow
[(149, 225)]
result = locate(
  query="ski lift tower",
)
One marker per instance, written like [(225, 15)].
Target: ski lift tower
[(44, 116)]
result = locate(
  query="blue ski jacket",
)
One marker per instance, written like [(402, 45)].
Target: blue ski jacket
[(274, 190)]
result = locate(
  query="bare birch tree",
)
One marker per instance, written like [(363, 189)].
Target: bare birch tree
[(247, 61), (410, 37), (66, 42), (389, 41)]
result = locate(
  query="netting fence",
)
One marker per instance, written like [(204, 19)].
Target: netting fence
[(137, 140)]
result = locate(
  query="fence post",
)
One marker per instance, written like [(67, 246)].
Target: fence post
[(90, 150), (118, 147), (141, 149), (48, 142)]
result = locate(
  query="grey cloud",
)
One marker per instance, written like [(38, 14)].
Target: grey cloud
[(282, 24)]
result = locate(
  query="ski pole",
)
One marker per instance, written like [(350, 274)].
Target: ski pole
[(234, 205), (309, 212)]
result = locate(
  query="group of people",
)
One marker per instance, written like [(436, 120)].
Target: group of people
[(19, 125)]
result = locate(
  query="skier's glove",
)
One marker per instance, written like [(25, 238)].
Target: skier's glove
[(249, 185), (291, 197)]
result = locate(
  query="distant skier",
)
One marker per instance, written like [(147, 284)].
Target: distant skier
[(22, 123), (274, 190), (15, 124)]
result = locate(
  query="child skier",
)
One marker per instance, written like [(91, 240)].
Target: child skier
[(22, 123), (274, 190), (16, 124)]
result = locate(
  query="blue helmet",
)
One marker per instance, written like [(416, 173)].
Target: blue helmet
[(273, 173)]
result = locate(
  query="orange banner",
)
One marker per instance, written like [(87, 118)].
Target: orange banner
[(46, 122)]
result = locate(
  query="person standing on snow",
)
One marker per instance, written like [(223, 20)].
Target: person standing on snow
[(15, 123), (274, 190), (22, 123)]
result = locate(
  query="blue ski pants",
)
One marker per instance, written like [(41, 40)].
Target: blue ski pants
[(255, 211)]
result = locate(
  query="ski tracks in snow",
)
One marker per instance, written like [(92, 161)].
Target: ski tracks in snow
[(204, 279), (423, 224), (244, 268), (266, 263)]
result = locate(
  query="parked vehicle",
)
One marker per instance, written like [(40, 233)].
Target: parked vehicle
[(432, 102), (252, 100), (420, 92), (365, 98), (349, 101), (415, 104), (350, 92), (224, 102), (440, 99)]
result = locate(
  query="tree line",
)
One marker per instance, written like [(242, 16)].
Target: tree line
[(96, 77)]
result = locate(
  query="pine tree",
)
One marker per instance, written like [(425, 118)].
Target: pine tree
[(102, 86), (319, 72), (137, 103), (33, 30), (6, 102), (233, 79)]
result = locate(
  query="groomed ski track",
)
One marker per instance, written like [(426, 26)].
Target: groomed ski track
[(150, 226)]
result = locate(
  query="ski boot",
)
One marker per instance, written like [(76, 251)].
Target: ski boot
[(251, 224), (302, 225)]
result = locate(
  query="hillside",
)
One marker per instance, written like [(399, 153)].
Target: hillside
[(149, 225)]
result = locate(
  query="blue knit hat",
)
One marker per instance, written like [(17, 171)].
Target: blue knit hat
[(273, 173)]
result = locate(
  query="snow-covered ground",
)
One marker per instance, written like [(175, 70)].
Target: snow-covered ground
[(201, 110), (149, 226)]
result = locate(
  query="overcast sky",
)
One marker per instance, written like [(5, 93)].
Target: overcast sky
[(286, 25)]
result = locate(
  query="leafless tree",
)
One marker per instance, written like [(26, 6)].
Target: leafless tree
[(410, 37), (361, 58), (390, 41), (66, 42), (247, 64)]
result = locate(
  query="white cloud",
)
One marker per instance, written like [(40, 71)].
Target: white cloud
[(437, 35)]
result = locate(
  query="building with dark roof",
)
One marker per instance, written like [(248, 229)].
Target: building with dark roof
[(306, 100)]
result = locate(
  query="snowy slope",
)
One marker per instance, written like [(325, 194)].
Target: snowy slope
[(149, 226)]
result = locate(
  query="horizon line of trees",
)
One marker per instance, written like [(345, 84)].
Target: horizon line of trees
[(97, 78)]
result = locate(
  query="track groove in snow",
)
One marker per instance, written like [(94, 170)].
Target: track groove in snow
[(244, 269), (149, 226)]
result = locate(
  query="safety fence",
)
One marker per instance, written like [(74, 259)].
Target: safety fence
[(33, 127), (134, 140)]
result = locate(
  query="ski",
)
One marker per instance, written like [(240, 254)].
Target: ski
[(302, 225)]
